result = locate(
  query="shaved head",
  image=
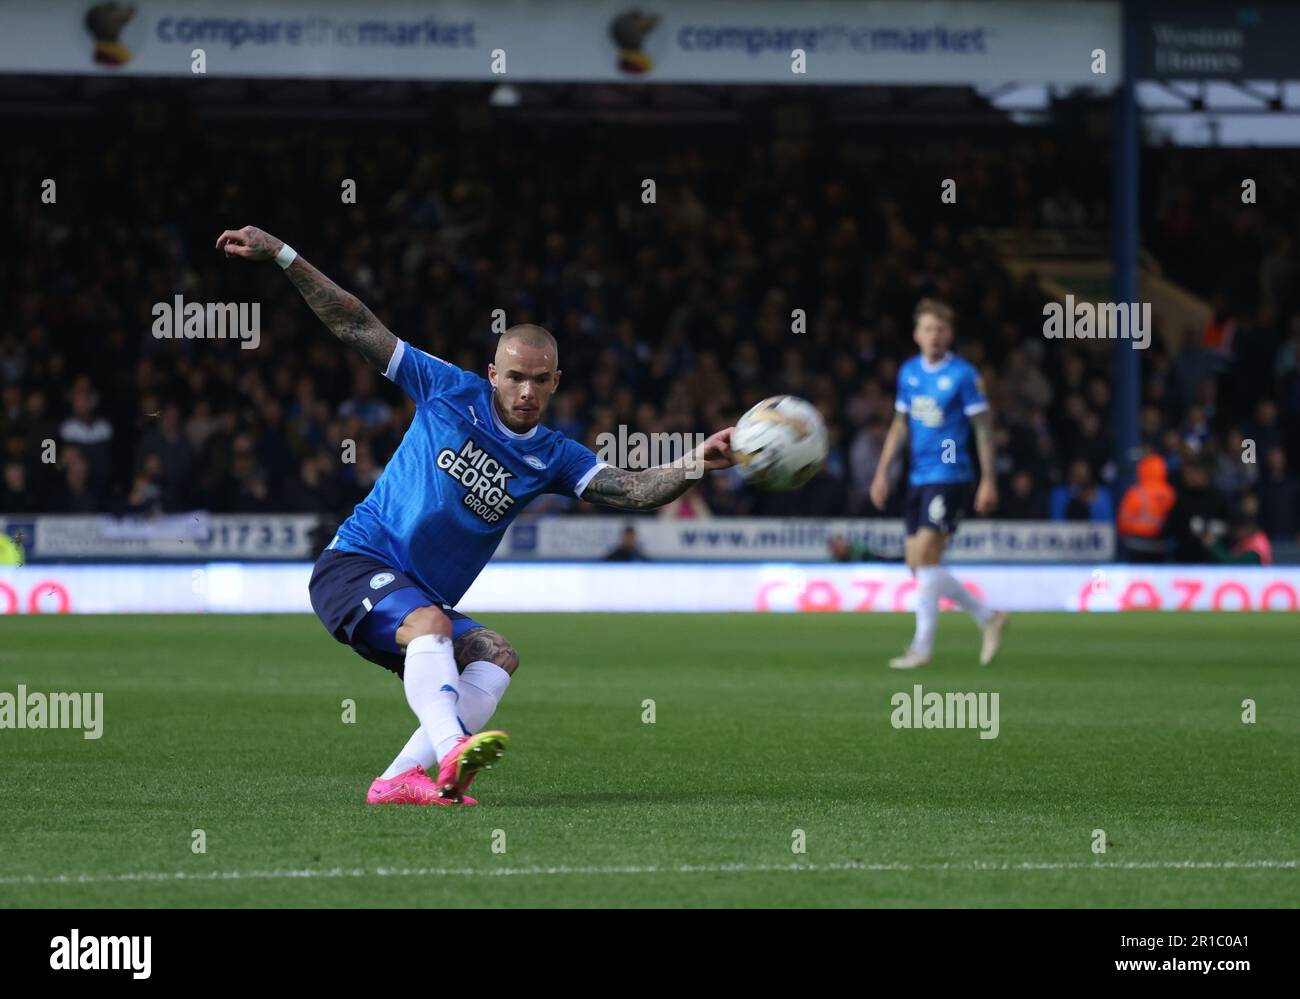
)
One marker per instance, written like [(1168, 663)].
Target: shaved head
[(529, 336), (524, 374)]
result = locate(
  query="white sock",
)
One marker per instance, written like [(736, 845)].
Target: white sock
[(432, 690), (949, 587), (928, 583), (418, 752), (482, 686)]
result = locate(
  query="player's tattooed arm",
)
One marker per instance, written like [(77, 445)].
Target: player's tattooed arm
[(982, 424), (637, 490), (648, 488), (986, 496), (345, 315), (485, 645)]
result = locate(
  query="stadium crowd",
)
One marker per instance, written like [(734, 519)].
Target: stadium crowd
[(672, 316)]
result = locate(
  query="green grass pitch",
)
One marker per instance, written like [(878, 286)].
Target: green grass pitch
[(764, 725)]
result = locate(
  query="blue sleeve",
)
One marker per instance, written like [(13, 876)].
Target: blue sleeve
[(421, 376), (574, 467), (973, 399)]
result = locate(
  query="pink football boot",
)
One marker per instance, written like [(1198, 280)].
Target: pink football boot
[(412, 787), (471, 754)]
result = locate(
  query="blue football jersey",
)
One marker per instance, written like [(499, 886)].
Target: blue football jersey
[(939, 400), (457, 480)]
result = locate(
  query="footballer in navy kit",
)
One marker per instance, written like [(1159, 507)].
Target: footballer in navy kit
[(474, 456), (940, 404)]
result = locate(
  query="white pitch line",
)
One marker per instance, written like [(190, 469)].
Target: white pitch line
[(738, 868)]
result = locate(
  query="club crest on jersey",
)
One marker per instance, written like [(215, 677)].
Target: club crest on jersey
[(483, 477), (534, 461), (380, 580)]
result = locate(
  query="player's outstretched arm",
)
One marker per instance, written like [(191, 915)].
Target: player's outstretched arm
[(653, 487), (346, 315)]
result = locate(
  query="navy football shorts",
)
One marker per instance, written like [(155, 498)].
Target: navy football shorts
[(362, 602), (938, 506)]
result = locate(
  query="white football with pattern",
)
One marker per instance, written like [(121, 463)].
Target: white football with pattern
[(780, 443)]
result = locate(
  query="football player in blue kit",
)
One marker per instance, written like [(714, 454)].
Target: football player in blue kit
[(474, 455), (940, 403)]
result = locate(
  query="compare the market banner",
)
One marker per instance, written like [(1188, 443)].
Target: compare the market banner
[(671, 41)]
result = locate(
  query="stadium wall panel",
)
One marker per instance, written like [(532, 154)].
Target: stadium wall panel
[(235, 587)]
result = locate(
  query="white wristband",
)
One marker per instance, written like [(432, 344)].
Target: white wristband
[(286, 256)]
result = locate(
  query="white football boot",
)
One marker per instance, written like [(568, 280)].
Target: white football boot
[(909, 660), (993, 636)]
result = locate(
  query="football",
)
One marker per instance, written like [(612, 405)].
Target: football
[(780, 443)]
